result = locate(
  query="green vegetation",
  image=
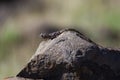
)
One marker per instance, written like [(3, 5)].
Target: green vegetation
[(8, 38)]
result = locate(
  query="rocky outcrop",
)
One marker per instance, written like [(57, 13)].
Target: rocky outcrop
[(69, 55)]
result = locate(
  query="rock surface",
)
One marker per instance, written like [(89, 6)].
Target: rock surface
[(69, 55), (19, 78)]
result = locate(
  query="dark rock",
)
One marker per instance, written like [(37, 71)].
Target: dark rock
[(69, 55)]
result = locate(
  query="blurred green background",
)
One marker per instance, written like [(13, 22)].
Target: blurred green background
[(20, 22)]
